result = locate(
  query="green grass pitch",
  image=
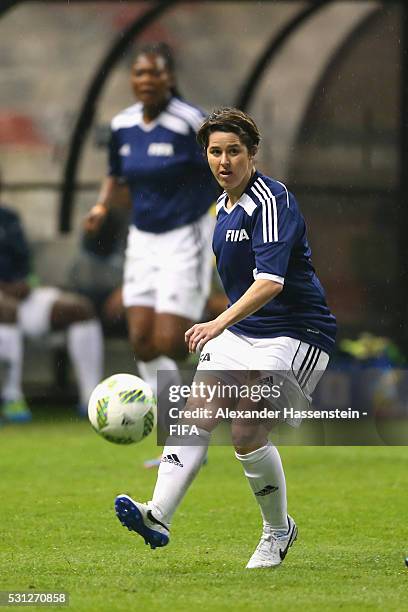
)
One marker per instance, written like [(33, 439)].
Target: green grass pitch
[(59, 530)]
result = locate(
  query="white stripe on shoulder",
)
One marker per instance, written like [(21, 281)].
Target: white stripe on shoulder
[(287, 192), (269, 210), (257, 193), (191, 115), (221, 196), (264, 220), (273, 218), (187, 108), (128, 118), (173, 123)]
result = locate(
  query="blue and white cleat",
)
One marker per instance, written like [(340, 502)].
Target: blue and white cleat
[(16, 411), (139, 518), (273, 546)]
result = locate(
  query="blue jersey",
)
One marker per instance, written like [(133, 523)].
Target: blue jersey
[(14, 250), (167, 174), (264, 236)]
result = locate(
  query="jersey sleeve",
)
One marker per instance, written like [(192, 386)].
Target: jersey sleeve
[(274, 232), (114, 161)]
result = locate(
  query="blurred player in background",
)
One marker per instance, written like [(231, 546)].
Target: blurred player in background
[(278, 321), (167, 271), (34, 312)]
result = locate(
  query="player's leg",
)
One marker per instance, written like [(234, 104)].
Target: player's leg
[(139, 295), (158, 342), (14, 407), (142, 321), (168, 334), (264, 472), (166, 285), (182, 456), (181, 460), (141, 325), (182, 286), (263, 469), (260, 460), (113, 312), (168, 340), (281, 357), (49, 309)]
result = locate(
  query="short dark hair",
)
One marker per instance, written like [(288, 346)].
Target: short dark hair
[(228, 119)]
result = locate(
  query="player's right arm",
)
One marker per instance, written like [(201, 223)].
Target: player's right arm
[(98, 212)]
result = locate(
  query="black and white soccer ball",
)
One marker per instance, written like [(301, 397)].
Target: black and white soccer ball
[(122, 409)]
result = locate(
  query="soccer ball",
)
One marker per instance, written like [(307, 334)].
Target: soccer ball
[(122, 409)]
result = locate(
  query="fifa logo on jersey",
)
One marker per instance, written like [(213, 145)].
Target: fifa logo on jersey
[(160, 149), (125, 150), (236, 235)]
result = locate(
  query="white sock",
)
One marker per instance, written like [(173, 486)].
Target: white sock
[(178, 468), (85, 348), (11, 352), (264, 471), (148, 371)]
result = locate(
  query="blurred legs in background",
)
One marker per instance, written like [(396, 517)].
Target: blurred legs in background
[(13, 407), (45, 310)]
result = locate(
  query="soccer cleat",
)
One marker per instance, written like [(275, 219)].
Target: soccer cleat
[(139, 518), (16, 411), (273, 546)]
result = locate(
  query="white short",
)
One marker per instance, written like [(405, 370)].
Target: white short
[(170, 272), (304, 363), (34, 313)]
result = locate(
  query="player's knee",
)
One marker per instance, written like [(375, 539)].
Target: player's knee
[(83, 309), (71, 308), (170, 343), (142, 346), (8, 310), (247, 438)]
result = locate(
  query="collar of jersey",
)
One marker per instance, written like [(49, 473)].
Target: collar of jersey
[(148, 127), (239, 202)]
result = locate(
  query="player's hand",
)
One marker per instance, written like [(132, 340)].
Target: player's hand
[(95, 218), (197, 336)]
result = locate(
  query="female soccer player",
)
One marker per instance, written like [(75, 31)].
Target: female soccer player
[(168, 263), (277, 321)]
